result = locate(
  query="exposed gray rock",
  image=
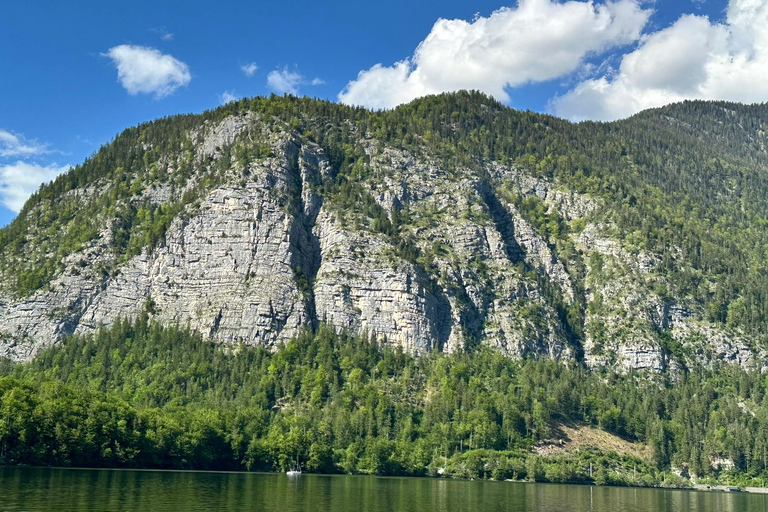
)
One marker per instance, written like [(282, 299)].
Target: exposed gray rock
[(266, 252), (223, 134), (356, 289)]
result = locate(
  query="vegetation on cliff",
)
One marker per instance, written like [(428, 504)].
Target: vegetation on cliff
[(686, 182)]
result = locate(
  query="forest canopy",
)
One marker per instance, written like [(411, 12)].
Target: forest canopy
[(143, 395)]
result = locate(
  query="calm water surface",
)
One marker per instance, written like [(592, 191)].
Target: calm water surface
[(104, 490)]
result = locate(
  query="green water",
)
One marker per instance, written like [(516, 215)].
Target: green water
[(103, 490)]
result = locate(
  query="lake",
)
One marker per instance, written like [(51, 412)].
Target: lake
[(105, 490)]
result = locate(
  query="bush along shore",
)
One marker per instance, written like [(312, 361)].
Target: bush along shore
[(143, 395)]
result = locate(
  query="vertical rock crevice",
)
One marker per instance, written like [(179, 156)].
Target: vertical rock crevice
[(516, 253), (503, 223), (304, 162)]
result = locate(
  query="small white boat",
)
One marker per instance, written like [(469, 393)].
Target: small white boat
[(294, 471)]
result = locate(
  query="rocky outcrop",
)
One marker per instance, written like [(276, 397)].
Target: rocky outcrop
[(271, 247), (234, 270), (30, 325), (356, 288)]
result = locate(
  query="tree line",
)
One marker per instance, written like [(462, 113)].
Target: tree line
[(142, 395)]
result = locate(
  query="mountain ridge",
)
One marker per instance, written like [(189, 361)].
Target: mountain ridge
[(446, 223)]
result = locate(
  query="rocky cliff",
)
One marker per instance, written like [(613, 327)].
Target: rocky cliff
[(252, 228)]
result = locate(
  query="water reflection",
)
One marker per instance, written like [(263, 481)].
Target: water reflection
[(103, 490)]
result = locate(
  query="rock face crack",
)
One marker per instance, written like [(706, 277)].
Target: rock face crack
[(503, 222), (216, 323), (304, 166), (516, 253)]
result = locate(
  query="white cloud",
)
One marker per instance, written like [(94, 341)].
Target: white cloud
[(18, 181), (692, 59), (537, 41), (285, 80), (227, 96), (141, 69), (163, 33), (249, 69), (12, 144)]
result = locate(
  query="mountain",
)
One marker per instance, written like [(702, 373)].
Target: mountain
[(446, 224)]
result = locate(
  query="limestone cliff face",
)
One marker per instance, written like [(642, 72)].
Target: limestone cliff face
[(270, 248)]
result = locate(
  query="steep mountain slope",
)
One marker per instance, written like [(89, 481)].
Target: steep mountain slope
[(446, 223)]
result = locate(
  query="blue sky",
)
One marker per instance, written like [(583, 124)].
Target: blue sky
[(61, 96)]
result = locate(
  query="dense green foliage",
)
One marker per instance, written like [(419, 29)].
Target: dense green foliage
[(141, 395)]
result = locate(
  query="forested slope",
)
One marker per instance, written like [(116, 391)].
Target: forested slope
[(140, 395)]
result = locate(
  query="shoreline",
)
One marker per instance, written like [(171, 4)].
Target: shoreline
[(716, 488)]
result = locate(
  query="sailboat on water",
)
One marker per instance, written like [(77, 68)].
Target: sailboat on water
[(295, 470)]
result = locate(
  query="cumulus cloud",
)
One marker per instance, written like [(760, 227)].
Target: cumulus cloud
[(284, 80), (536, 41), (692, 59), (18, 181), (249, 69), (141, 69), (13, 144)]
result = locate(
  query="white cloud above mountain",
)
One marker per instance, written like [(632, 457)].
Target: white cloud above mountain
[(286, 81), (15, 145), (20, 180), (249, 69), (145, 70), (227, 96), (539, 40), (692, 59), (20, 174)]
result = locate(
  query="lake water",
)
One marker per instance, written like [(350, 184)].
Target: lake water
[(104, 490)]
